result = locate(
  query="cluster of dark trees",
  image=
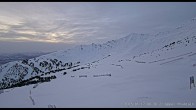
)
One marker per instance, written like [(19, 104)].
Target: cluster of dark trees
[(14, 75), (19, 81), (76, 69), (31, 64), (48, 66), (80, 68), (32, 80), (169, 45), (186, 41), (53, 63)]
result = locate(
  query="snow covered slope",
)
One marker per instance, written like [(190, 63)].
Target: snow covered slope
[(139, 70)]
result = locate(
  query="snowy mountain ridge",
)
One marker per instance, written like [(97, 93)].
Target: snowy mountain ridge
[(162, 61), (59, 60), (132, 45)]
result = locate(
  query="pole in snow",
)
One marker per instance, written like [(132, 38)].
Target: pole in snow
[(192, 81)]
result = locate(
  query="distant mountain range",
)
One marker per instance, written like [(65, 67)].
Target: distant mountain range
[(9, 57)]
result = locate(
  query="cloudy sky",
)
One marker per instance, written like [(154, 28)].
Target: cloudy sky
[(42, 26)]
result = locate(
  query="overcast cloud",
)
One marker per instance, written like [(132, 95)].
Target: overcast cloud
[(61, 25)]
